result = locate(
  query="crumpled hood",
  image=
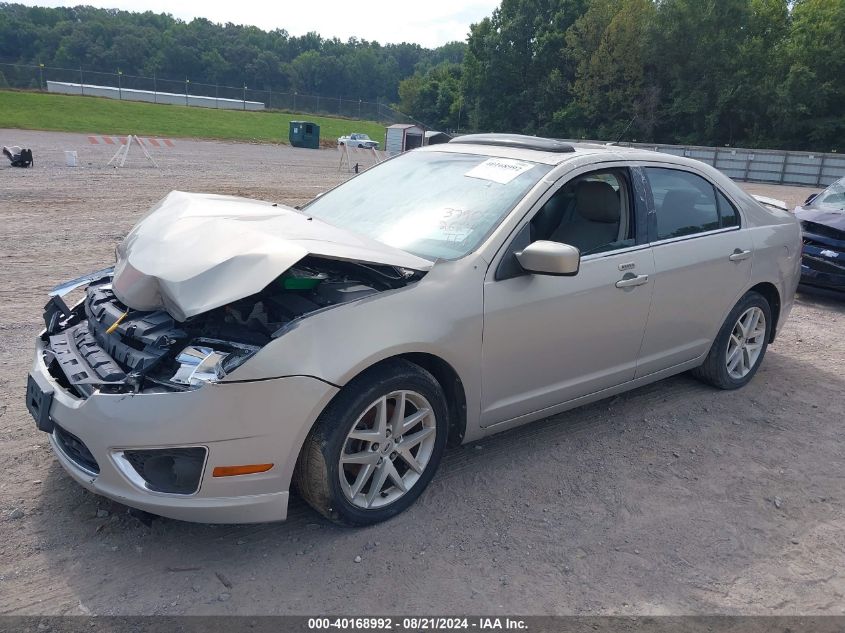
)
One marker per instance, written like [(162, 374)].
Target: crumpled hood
[(832, 219), (196, 252)]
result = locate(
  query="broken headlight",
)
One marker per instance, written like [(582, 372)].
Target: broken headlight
[(208, 360)]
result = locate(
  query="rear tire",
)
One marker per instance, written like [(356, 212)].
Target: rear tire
[(740, 346), (376, 446)]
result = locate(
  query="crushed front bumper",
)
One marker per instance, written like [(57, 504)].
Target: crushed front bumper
[(254, 422)]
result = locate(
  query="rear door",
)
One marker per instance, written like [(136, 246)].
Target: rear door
[(702, 262)]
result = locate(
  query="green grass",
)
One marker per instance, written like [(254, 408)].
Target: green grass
[(96, 115)]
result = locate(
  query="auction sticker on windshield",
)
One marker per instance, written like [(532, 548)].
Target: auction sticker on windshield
[(500, 170)]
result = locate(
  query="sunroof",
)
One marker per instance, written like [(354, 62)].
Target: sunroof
[(520, 141)]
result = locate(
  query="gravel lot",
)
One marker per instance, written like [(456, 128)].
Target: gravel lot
[(673, 498)]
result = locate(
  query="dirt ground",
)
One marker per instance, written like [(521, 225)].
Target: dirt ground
[(671, 499)]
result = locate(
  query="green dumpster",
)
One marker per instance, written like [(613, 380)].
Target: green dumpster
[(304, 134)]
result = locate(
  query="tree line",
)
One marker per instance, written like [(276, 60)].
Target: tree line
[(108, 40), (759, 73)]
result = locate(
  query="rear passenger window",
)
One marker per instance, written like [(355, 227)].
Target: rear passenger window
[(685, 203), (727, 212)]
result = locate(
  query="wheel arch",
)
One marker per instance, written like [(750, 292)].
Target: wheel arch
[(316, 468), (453, 388), (445, 375), (772, 296)]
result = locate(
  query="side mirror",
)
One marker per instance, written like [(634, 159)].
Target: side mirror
[(812, 197), (550, 258)]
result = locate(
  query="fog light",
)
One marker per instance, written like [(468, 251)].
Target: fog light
[(170, 470)]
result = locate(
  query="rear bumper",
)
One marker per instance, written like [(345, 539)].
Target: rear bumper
[(238, 423)]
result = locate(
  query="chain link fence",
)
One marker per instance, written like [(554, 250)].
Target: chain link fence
[(186, 92)]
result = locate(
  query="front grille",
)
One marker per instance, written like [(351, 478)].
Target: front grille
[(822, 230), (75, 450), (821, 242), (823, 265)]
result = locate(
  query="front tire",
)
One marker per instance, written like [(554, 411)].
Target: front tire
[(740, 346), (376, 446)]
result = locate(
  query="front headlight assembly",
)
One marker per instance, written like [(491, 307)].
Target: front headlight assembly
[(209, 360)]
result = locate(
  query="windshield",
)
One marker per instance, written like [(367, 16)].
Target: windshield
[(437, 205), (832, 198)]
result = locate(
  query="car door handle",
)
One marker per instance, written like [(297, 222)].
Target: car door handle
[(630, 280), (739, 255)]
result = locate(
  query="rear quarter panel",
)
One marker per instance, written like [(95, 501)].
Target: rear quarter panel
[(776, 236), (777, 254)]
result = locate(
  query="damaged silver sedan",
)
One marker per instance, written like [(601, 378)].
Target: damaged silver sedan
[(241, 349)]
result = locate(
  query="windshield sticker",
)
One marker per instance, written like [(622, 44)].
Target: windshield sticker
[(500, 170)]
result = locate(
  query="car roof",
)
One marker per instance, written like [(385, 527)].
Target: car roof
[(532, 149)]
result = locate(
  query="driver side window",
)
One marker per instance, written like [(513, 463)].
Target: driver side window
[(592, 212)]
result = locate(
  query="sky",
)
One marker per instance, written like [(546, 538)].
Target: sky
[(429, 23)]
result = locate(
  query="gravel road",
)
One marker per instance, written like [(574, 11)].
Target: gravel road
[(671, 499)]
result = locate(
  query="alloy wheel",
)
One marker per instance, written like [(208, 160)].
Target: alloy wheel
[(746, 343), (387, 449)]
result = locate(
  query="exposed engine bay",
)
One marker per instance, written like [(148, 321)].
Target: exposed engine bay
[(102, 344)]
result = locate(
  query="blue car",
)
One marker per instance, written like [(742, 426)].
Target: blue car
[(822, 219)]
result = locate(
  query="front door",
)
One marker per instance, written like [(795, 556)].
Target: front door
[(550, 339)]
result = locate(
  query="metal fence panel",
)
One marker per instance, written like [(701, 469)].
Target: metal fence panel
[(769, 166), (704, 155), (677, 151), (832, 161)]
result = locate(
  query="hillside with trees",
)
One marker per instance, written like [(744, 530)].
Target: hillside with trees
[(107, 40), (758, 73)]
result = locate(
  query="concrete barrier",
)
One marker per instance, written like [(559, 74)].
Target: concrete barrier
[(149, 96)]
